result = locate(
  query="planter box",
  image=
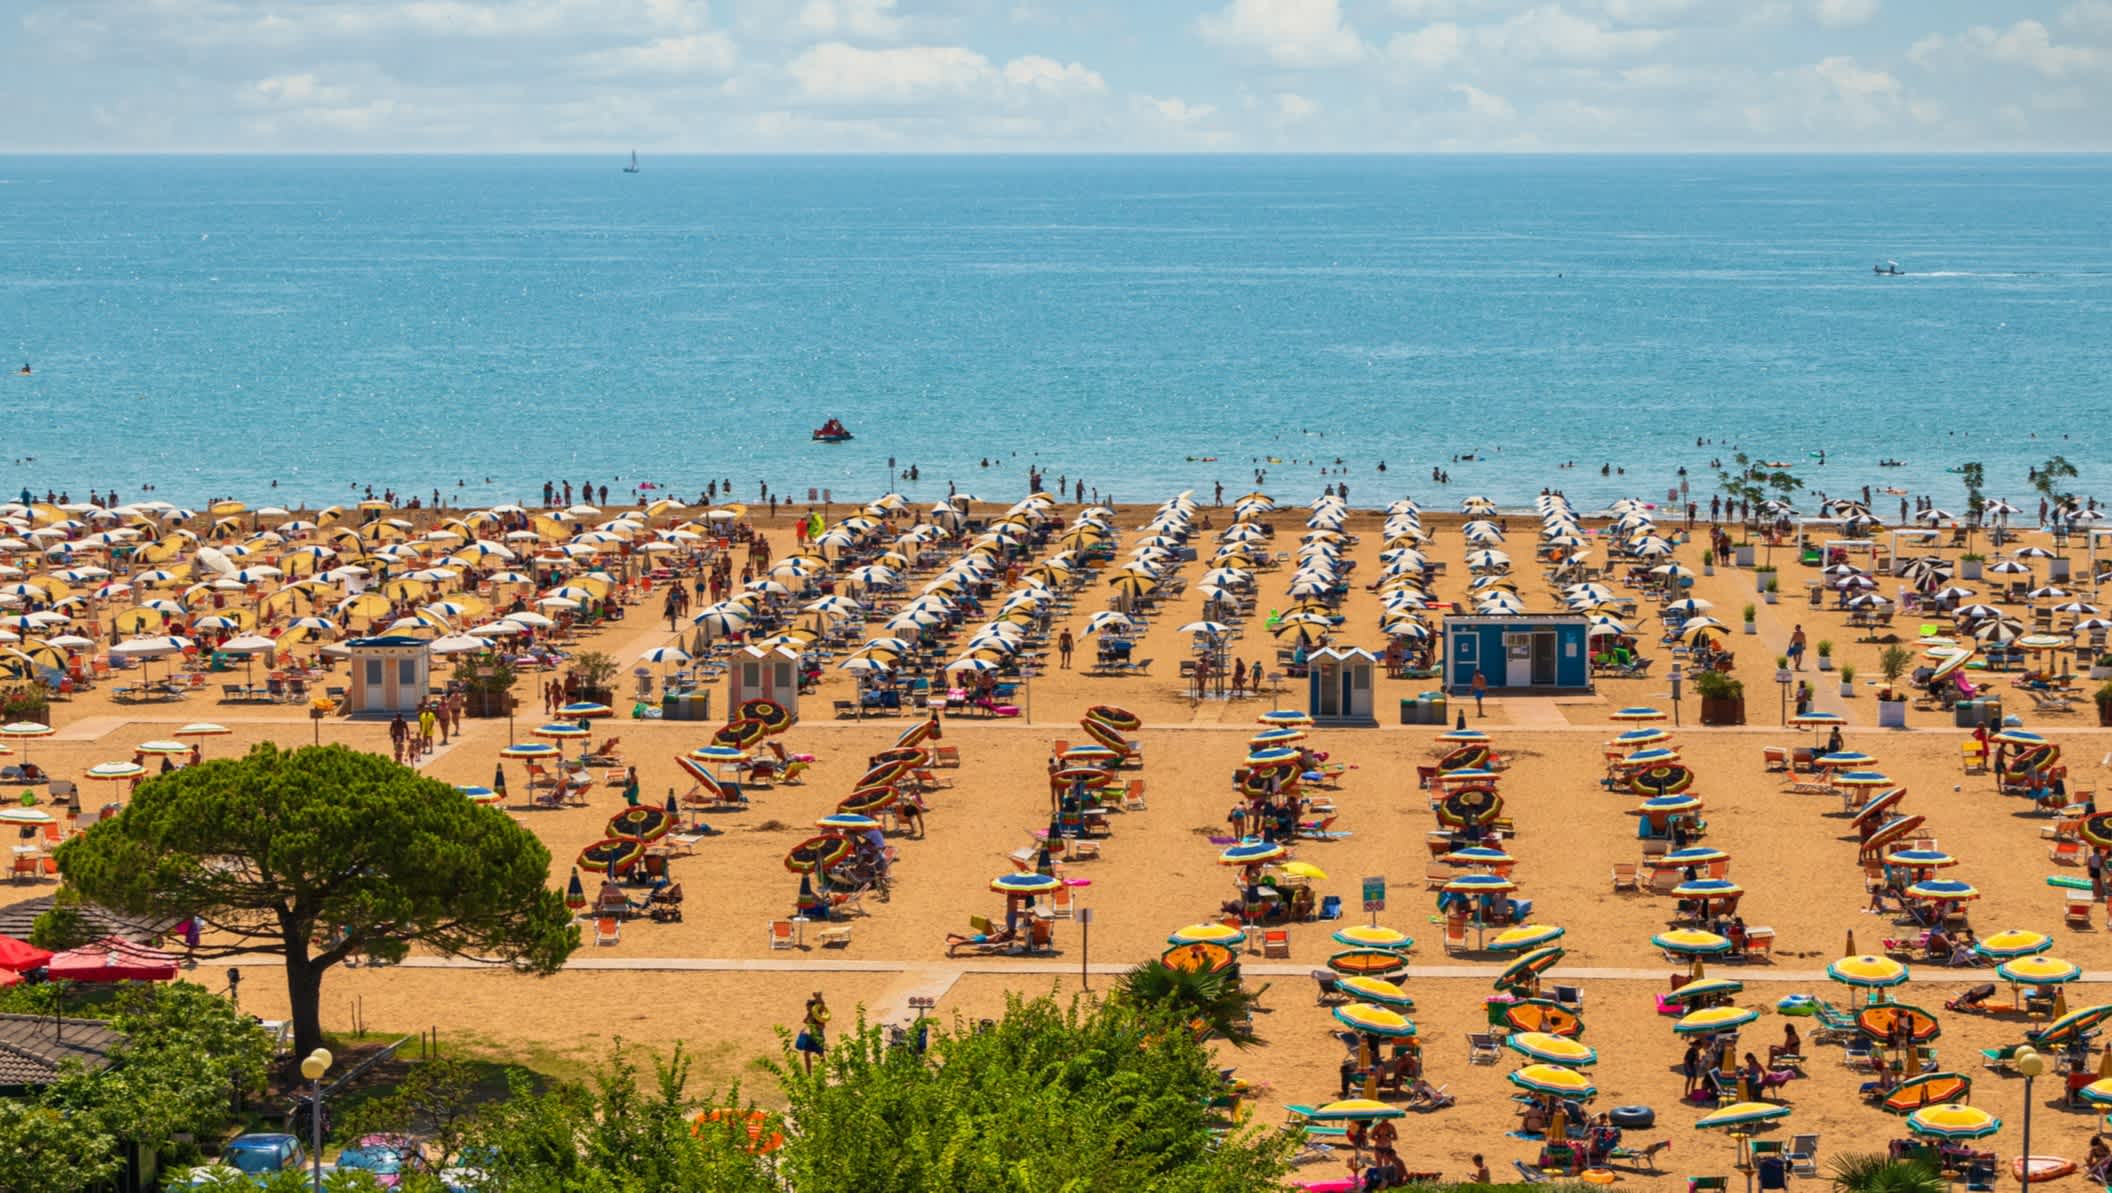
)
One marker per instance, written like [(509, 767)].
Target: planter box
[(1760, 579), (1847, 690), (1744, 555), (487, 704), (1891, 714), (1752, 627), (2104, 712), (1825, 662), (1722, 710), (1708, 569), (598, 696), (2097, 672), (1771, 597), (1969, 569)]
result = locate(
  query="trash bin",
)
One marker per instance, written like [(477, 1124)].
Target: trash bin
[(1411, 712)]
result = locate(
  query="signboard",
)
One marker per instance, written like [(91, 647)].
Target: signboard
[(1085, 917), (1375, 894)]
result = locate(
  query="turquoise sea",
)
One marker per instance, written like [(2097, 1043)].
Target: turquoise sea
[(215, 324)]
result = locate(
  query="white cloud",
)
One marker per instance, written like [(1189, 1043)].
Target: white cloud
[(1429, 48), (1645, 12), (297, 90), (2092, 18), (688, 54), (1292, 107), (1292, 33), (870, 19), (1820, 102), (1844, 14), (839, 73), (1483, 103), (2026, 44), (1552, 33), (1178, 111), (1772, 15), (1047, 74)]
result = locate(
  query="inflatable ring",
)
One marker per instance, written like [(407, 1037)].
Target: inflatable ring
[(1597, 1176), (2040, 1168), (776, 718), (1632, 1117), (1119, 719)]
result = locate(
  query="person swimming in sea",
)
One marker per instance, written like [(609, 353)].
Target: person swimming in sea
[(24, 370)]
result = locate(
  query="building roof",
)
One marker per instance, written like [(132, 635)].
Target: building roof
[(16, 920), (1475, 619), (33, 1047), (385, 642)]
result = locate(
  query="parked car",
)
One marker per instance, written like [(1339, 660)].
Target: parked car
[(384, 1157), (250, 1159)]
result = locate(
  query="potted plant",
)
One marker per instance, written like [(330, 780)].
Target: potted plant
[(1708, 561), (1969, 565), (25, 702), (1722, 698), (1773, 592), (487, 684), (2102, 667), (595, 671), (1762, 577), (1750, 626), (1743, 553), (2104, 704), (1847, 681), (1892, 702), (1825, 654)]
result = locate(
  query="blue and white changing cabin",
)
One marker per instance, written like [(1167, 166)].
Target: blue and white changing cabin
[(1338, 685), (1520, 654)]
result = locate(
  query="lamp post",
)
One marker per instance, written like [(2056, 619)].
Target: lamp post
[(2028, 1064), (313, 1066), (1783, 678)]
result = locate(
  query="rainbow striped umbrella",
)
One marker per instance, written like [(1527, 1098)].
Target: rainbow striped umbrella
[(2012, 942), (1709, 1020), (1553, 1050), (1525, 936), (1952, 1120), (1868, 973), (1224, 934), (1553, 1080), (1740, 1114), (1362, 936), (1374, 1021), (1379, 991)]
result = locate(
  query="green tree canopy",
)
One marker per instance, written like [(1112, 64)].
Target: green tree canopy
[(1217, 1002), (319, 854)]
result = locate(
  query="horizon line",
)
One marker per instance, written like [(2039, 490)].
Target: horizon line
[(1059, 153)]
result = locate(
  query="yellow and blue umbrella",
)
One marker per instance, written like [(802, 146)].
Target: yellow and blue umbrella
[(1553, 1050), (1844, 760), (1553, 1080), (1477, 855), (530, 750), (1377, 991), (1705, 988), (2071, 1025), (1666, 805), (1862, 778), (559, 730), (1251, 852), (1270, 755), (2097, 1093), (1692, 855), (1709, 889), (1951, 1120), (1525, 936), (1480, 884), (1741, 1114), (1870, 973), (1224, 934), (1353, 1110), (1285, 716), (1653, 756), (1024, 884), (2038, 971), (1920, 859), (2012, 942), (481, 795), (1362, 936), (1638, 714), (1532, 965), (1374, 1020), (1691, 942), (1714, 1019), (1942, 888)]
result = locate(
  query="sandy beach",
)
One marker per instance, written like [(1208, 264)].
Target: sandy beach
[(715, 981)]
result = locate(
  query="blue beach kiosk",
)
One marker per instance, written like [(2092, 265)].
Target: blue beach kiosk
[(1518, 654)]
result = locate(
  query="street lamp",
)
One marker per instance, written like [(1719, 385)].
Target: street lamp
[(2028, 1064), (1784, 678), (313, 1066)]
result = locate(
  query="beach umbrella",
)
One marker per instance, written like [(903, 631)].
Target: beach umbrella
[(30, 816), (1539, 1014), (1251, 851), (1638, 714), (1692, 855), (1815, 717), (1024, 884), (1927, 1089), (1469, 805), (1372, 1020), (1741, 1114), (584, 711), (1478, 855), (161, 747), (1528, 968), (560, 730), (2012, 943), (575, 892), (1669, 779), (643, 823), (1881, 1019), (1862, 778), (1223, 934), (1650, 757), (846, 822), (1375, 990), (1920, 859), (1710, 1020), (1361, 936), (116, 771), (1198, 958), (1868, 972), (817, 853), (1703, 989), (1935, 888), (25, 731), (1525, 936), (1844, 760), (1666, 805), (1480, 884), (1691, 942), (1354, 1110), (1649, 735), (2038, 971), (1368, 962), (2071, 1025), (531, 751), (613, 855), (1553, 1050), (1553, 1080), (481, 795), (1305, 870), (1283, 716), (1952, 1120)]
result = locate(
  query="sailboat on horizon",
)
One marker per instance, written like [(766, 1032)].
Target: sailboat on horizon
[(633, 167)]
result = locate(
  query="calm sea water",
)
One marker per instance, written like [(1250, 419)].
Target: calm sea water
[(217, 324)]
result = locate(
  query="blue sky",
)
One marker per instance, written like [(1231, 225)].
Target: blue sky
[(944, 76)]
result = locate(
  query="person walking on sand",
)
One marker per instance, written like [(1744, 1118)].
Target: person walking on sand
[(1796, 647), (399, 733), (1481, 689), (813, 1039), (426, 723), (1064, 644)]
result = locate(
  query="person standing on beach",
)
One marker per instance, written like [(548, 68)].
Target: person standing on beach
[(1064, 645), (399, 734), (1481, 689), (813, 1039), (1796, 647)]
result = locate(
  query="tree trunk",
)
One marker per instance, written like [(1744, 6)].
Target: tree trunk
[(304, 997)]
